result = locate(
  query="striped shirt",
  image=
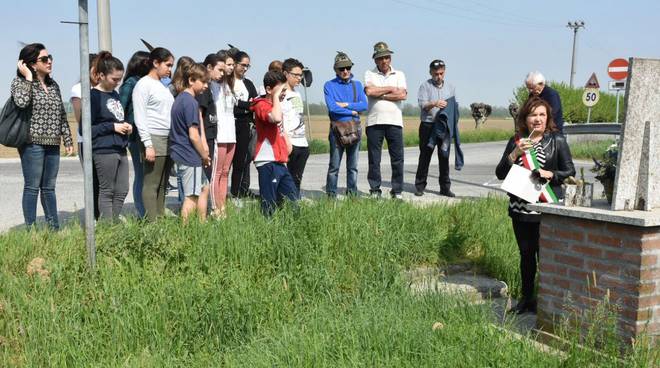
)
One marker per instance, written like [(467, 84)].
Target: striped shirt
[(518, 206)]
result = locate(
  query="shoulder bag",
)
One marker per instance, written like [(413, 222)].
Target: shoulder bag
[(14, 124), (347, 133)]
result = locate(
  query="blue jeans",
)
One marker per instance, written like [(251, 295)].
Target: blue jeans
[(336, 152), (275, 185), (138, 175), (40, 165)]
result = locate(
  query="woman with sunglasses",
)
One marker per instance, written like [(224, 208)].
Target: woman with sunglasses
[(536, 135), (152, 105), (33, 88)]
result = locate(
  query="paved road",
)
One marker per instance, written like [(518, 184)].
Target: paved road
[(480, 158)]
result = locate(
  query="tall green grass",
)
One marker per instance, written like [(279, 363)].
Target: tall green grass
[(587, 149), (320, 286), (411, 139)]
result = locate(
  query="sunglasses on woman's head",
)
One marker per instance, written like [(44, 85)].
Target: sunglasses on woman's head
[(45, 59)]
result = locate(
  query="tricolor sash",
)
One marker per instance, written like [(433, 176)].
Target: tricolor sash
[(530, 162)]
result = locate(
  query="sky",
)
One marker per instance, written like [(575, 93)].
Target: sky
[(488, 46)]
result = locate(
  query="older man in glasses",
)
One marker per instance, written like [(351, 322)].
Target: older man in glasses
[(345, 99), (386, 89), (535, 83)]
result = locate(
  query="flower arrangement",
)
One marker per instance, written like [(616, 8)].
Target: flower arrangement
[(605, 169)]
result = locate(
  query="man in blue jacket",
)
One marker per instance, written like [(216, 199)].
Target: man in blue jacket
[(345, 99), (439, 124)]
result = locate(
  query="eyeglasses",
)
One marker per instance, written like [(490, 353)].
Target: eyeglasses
[(296, 75), (45, 59), (246, 66), (344, 69)]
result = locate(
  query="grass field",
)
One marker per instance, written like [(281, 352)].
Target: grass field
[(318, 287)]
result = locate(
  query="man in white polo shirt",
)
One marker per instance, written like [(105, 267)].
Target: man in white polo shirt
[(386, 89)]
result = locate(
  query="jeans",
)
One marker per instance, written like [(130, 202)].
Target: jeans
[(112, 171), (425, 154), (138, 175), (40, 165), (296, 165), (393, 134), (275, 184), (336, 152)]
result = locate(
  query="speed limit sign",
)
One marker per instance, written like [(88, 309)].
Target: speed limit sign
[(590, 97)]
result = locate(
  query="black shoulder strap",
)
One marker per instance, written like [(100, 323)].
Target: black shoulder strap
[(354, 91)]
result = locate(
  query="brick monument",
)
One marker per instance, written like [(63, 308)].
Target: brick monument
[(588, 255)]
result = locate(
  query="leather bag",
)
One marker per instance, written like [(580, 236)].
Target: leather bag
[(14, 124), (347, 133)]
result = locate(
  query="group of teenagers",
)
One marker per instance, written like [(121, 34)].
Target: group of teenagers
[(207, 118)]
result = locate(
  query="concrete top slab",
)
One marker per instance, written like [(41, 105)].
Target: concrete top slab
[(600, 211)]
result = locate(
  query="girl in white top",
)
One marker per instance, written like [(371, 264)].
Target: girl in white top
[(225, 100), (152, 105)]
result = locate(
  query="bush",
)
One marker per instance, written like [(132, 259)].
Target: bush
[(573, 109)]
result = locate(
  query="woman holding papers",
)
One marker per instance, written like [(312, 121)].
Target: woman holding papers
[(538, 147)]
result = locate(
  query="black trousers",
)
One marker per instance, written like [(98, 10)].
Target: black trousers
[(527, 236), (296, 165), (240, 174), (209, 170), (394, 136), (425, 154)]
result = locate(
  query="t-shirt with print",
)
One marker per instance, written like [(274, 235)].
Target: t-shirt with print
[(106, 110), (294, 122), (185, 114), (271, 144)]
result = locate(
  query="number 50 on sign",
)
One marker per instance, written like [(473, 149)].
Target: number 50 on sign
[(590, 97)]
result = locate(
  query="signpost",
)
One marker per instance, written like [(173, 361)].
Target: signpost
[(617, 69), (591, 94)]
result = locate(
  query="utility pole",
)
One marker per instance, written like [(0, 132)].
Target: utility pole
[(105, 30), (574, 26)]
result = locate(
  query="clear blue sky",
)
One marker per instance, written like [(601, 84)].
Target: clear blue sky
[(488, 46)]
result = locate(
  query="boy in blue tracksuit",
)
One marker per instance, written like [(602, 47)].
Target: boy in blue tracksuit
[(345, 99)]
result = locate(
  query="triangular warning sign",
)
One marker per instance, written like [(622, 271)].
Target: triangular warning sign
[(592, 82)]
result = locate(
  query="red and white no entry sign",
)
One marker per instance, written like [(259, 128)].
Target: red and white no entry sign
[(618, 69)]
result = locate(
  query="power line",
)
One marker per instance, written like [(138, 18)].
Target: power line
[(514, 19)]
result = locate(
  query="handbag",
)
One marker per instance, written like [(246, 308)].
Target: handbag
[(347, 133), (14, 124)]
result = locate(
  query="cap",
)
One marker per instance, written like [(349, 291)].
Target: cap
[(381, 49), (342, 60)]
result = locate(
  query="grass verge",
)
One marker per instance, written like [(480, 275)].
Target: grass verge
[(587, 149), (319, 286), (411, 139)]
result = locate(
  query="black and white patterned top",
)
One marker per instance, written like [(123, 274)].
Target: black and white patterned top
[(518, 206), (48, 125)]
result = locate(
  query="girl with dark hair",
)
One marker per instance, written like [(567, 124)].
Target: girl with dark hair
[(138, 67), (536, 135), (152, 105), (225, 141), (33, 88), (215, 67), (245, 132), (110, 134)]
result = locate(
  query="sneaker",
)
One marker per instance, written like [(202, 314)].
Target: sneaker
[(398, 196), (447, 193), (419, 193), (375, 194)]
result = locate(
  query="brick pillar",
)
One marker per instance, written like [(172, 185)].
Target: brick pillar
[(582, 260)]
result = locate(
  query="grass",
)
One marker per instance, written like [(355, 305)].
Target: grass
[(320, 286), (587, 149), (411, 139)]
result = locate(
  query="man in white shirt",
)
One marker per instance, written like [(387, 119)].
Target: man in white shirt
[(386, 89)]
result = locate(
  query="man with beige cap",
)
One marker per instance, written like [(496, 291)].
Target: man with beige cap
[(386, 89)]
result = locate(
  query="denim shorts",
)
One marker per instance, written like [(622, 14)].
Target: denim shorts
[(192, 178)]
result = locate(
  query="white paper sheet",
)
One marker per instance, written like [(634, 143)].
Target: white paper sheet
[(519, 183)]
